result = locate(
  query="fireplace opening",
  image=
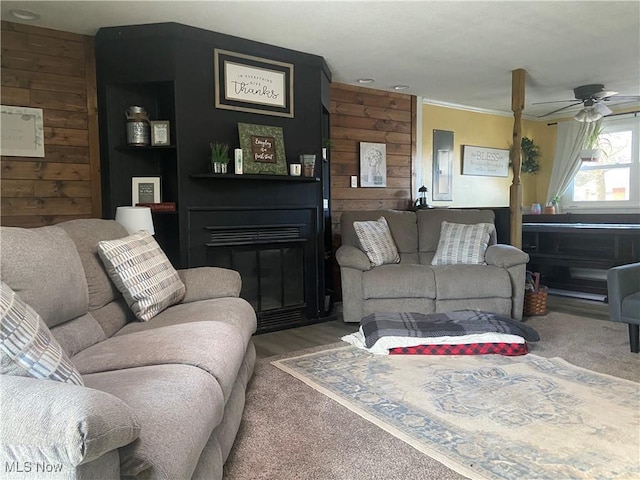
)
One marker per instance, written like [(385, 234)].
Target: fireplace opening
[(271, 262)]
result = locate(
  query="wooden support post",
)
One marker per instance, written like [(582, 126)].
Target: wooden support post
[(515, 192)]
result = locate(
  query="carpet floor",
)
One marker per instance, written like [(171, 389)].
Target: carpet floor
[(290, 431)]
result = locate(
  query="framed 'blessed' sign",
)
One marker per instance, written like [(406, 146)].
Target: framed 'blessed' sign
[(253, 84)]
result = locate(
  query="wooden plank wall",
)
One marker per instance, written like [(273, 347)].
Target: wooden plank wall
[(54, 71), (366, 115)]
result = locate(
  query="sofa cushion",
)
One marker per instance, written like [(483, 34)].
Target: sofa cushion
[(460, 243), (399, 281), (177, 406), (471, 281), (215, 347), (143, 273), (430, 221), (42, 266), (377, 242), (27, 347), (233, 311), (402, 225), (58, 423), (85, 234)]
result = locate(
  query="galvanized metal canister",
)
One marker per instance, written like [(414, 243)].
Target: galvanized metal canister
[(138, 131)]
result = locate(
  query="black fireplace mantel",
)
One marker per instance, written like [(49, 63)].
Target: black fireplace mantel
[(168, 69)]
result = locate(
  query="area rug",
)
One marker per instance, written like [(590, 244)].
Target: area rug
[(489, 417)]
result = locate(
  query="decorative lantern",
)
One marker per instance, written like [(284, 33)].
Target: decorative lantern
[(421, 202)]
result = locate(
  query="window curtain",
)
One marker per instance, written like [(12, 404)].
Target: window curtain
[(566, 163)]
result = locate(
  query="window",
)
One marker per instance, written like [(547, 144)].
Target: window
[(612, 182)]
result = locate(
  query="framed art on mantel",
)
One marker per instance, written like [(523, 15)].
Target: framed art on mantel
[(262, 149), (252, 84)]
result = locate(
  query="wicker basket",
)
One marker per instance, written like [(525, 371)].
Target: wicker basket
[(535, 303)]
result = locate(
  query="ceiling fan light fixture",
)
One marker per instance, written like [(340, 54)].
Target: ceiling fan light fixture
[(589, 114), (603, 109)]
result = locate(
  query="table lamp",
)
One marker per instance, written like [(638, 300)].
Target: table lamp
[(135, 219)]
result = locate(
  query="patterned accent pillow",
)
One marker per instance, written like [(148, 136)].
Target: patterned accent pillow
[(462, 244), (143, 274), (27, 348), (377, 242)]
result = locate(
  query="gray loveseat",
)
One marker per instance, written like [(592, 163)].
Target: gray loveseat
[(162, 399), (414, 285)]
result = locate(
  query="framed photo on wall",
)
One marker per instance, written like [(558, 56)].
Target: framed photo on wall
[(252, 84), (145, 190), (22, 132), (373, 164)]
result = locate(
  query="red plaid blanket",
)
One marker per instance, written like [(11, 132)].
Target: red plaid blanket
[(509, 349)]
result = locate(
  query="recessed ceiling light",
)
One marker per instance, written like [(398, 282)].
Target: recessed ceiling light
[(24, 14), (401, 87), (366, 81)]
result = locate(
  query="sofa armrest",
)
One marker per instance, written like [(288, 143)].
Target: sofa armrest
[(352, 257), (59, 423), (204, 283), (505, 256)]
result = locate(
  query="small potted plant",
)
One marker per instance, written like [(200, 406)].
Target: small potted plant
[(219, 157), (552, 207)]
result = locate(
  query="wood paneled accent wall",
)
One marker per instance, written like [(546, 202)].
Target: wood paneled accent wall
[(366, 115), (54, 71)]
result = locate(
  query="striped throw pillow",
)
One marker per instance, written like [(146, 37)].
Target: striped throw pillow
[(142, 272), (462, 244), (377, 242), (27, 348)]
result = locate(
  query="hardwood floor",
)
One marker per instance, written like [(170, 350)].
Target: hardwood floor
[(285, 341)]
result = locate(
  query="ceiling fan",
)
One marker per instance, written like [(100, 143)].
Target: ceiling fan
[(591, 96)]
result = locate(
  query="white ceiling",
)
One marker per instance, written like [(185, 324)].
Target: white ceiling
[(452, 52)]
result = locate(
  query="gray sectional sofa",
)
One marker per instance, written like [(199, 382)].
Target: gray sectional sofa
[(414, 285), (161, 399)]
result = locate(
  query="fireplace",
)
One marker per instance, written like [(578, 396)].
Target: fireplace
[(273, 249)]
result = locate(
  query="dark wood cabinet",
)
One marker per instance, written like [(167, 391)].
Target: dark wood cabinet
[(575, 255), (169, 70)]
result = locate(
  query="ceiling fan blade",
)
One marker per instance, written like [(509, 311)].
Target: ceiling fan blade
[(560, 109), (554, 101), (621, 97)]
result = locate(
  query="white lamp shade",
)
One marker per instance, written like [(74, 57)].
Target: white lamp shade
[(135, 219)]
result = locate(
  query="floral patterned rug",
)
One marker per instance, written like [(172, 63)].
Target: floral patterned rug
[(489, 417)]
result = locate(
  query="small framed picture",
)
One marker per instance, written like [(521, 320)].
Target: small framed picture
[(145, 190), (160, 133)]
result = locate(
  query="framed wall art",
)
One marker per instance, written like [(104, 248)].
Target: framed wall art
[(262, 149), (252, 84), (145, 190), (489, 162), (373, 164), (160, 135), (22, 132)]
